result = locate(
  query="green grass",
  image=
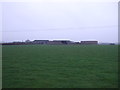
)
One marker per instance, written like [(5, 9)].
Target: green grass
[(60, 66)]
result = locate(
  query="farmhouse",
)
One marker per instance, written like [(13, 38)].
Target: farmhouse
[(88, 42)]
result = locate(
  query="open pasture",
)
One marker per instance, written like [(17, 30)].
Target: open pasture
[(60, 66)]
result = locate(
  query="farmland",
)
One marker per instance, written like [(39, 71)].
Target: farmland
[(60, 66)]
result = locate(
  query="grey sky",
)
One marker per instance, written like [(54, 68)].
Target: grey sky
[(63, 20)]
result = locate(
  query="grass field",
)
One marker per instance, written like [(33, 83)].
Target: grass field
[(60, 66)]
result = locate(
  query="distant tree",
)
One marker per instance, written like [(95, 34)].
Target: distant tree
[(27, 41), (112, 43)]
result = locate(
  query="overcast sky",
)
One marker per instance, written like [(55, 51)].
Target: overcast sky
[(74, 21)]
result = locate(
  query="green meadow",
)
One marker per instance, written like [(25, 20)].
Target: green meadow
[(59, 66)]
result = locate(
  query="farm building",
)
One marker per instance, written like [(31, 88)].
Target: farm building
[(40, 41), (59, 42), (89, 42), (56, 42)]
